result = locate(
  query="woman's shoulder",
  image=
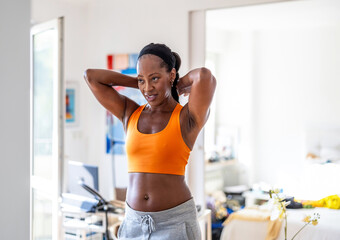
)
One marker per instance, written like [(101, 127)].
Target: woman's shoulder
[(131, 109)]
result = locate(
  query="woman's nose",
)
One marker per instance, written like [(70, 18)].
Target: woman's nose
[(148, 87)]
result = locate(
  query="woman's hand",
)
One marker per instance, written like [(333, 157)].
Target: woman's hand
[(184, 85)]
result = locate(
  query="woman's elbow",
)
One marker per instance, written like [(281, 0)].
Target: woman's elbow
[(88, 75), (206, 74)]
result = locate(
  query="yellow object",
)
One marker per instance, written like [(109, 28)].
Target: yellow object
[(312, 203), (315, 222), (332, 202), (306, 219)]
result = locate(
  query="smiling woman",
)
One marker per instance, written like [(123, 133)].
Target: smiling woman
[(160, 136)]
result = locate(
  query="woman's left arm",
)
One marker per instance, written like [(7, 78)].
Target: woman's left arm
[(200, 84)]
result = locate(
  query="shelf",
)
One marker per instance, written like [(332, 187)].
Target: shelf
[(214, 166), (79, 224)]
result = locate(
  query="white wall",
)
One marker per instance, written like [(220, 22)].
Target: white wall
[(14, 120), (297, 87)]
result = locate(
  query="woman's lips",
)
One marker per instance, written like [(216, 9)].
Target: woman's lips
[(150, 97)]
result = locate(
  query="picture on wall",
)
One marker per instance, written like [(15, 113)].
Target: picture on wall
[(71, 104)]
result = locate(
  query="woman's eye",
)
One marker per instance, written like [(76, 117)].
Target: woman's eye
[(140, 81)]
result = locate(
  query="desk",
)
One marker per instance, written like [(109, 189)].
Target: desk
[(82, 225)]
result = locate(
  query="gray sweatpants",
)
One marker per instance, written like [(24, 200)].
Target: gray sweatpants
[(177, 223)]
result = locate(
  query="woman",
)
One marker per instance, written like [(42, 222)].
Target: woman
[(160, 137)]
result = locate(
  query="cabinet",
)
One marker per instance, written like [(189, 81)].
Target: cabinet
[(79, 225)]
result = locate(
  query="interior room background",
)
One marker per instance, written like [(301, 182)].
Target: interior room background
[(93, 29)]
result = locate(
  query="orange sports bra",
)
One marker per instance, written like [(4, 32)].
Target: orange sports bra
[(162, 152)]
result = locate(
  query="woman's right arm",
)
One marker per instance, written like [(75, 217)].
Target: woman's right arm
[(101, 83)]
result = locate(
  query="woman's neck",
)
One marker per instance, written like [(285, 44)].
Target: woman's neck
[(166, 106)]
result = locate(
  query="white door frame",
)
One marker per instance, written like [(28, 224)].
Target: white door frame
[(51, 189)]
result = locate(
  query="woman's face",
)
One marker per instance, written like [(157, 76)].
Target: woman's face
[(153, 80)]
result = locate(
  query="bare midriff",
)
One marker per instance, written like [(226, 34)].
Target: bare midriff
[(152, 192)]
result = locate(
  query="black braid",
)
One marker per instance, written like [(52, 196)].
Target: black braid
[(174, 92)]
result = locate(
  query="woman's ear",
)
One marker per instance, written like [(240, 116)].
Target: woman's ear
[(173, 74)]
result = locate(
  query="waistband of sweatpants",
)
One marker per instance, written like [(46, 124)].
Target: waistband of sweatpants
[(186, 210)]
